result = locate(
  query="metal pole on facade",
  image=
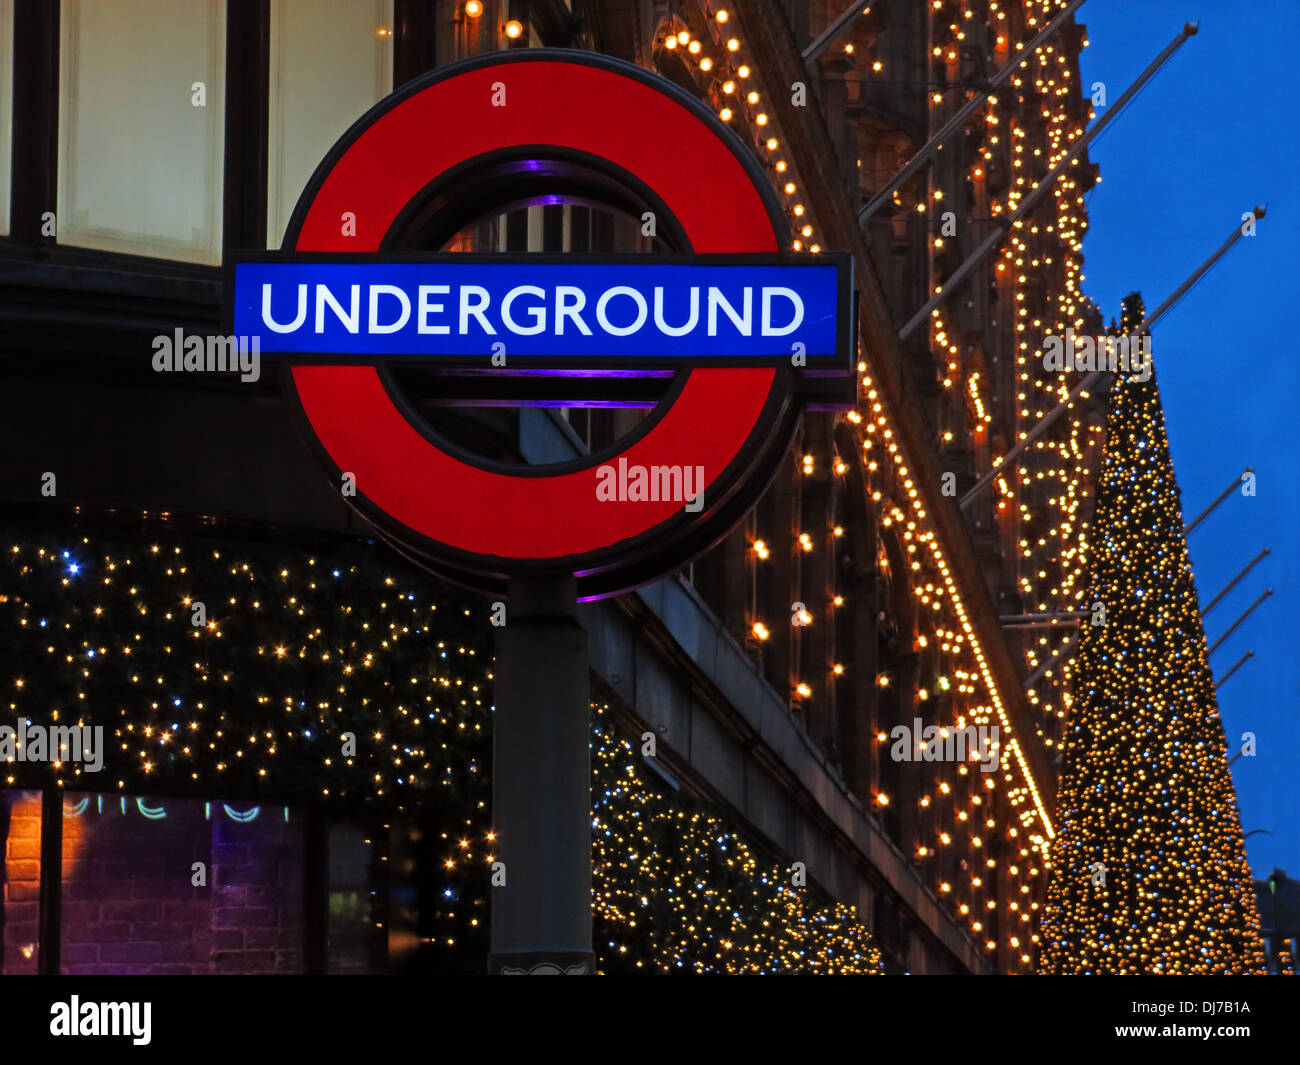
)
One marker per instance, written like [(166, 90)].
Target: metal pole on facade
[(959, 118), (541, 785), (1235, 666), (1043, 187), (1222, 496), (1047, 420), (1047, 618), (1233, 627), (824, 39), (1233, 583), (1042, 621)]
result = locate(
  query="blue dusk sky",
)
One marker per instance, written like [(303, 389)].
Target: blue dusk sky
[(1213, 134)]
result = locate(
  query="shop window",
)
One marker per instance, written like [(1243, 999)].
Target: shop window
[(167, 886), (141, 126), (330, 63), (179, 886), (351, 928), (6, 107)]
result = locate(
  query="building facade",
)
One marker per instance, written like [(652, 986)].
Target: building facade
[(787, 669)]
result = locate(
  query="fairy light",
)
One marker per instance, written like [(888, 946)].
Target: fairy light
[(424, 711), (689, 906)]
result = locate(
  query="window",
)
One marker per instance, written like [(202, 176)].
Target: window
[(330, 63), (172, 886), (6, 107), (141, 126)]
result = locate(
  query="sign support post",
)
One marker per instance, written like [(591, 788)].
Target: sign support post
[(541, 785)]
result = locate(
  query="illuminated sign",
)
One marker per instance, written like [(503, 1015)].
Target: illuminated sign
[(573, 311), (745, 335)]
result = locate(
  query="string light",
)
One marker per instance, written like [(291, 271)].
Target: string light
[(368, 649)]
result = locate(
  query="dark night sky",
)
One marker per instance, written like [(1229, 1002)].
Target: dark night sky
[(1213, 134)]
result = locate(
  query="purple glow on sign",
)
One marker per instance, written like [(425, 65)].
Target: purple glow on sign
[(597, 373), (575, 404), (496, 374)]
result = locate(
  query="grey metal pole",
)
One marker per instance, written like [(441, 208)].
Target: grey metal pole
[(541, 785), (1233, 627), (1235, 666), (1222, 496), (824, 39), (1047, 420), (1030, 201), (959, 118), (1233, 583), (1046, 618), (1259, 212), (1067, 623)]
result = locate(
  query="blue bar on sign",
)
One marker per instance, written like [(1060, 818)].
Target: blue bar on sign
[(598, 310)]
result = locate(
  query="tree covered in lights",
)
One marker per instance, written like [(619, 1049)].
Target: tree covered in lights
[(676, 889), (1149, 870), (294, 649)]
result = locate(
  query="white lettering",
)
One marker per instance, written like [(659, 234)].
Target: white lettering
[(741, 322), (672, 330), (538, 313), (427, 308), (641, 310), (563, 309), (388, 290), (785, 293), (476, 309), (275, 326), (351, 319)]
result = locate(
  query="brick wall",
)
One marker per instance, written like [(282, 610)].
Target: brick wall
[(21, 880), (129, 904)]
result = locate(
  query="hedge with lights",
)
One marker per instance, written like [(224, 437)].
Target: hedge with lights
[(251, 696), (1149, 870)]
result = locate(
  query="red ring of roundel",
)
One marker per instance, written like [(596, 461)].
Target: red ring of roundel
[(401, 471)]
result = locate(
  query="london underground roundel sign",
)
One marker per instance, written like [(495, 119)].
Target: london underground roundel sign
[(746, 336)]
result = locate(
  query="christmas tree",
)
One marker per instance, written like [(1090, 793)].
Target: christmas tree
[(1149, 870)]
